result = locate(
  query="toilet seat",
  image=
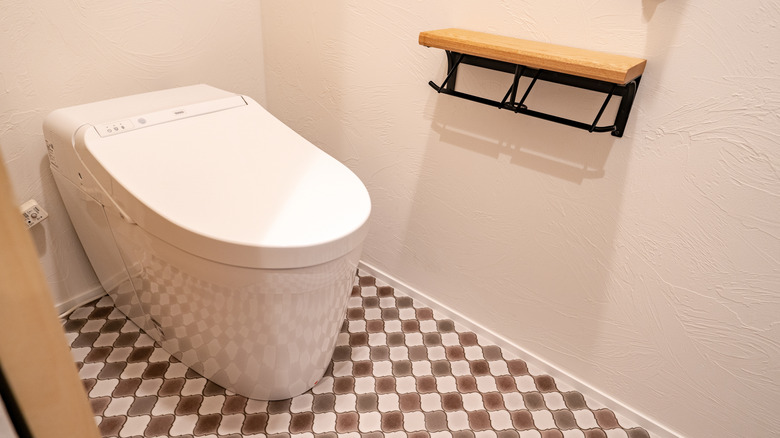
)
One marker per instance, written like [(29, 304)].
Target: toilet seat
[(252, 193)]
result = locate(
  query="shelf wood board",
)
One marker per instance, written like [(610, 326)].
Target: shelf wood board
[(617, 69)]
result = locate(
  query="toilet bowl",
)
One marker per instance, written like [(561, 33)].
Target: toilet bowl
[(224, 235)]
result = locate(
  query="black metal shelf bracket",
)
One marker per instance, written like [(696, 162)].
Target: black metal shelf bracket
[(627, 91)]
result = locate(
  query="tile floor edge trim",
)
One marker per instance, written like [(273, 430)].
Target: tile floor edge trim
[(645, 421), (64, 309)]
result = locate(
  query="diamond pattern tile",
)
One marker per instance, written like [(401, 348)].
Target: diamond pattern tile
[(399, 370)]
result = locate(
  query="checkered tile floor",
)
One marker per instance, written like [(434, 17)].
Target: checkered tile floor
[(398, 370)]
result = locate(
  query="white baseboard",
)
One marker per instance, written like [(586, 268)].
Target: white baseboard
[(64, 309), (627, 416)]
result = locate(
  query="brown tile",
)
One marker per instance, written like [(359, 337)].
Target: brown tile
[(392, 421), (522, 420), (372, 435), (140, 354), (404, 302), (207, 424), (358, 339), (492, 352), (100, 312), (112, 370), (451, 401), (367, 402), (507, 434), (126, 339), (188, 405), (467, 339), (389, 313), (97, 354), (455, 352), (142, 406), (110, 426), (367, 281), (191, 374), (155, 370), (574, 400), (534, 400), (552, 433), (441, 368), (99, 404), (74, 325), (385, 385), (385, 291), (234, 404), (493, 401), (254, 423), (346, 422), (463, 434), (88, 384), (84, 340), (113, 326), (171, 387), (344, 385), (517, 367), (342, 353), (419, 434), (279, 406), (126, 387), (301, 422), (418, 352), (479, 420), (375, 325), (355, 291), (426, 384), (324, 403), (594, 433), (445, 326), (402, 368), (606, 419), (506, 384), (212, 388), (564, 419), (395, 339), (637, 432), (431, 339), (354, 313), (479, 367), (362, 368), (466, 383), (545, 383), (370, 302), (424, 314), (435, 421), (380, 352), (344, 327), (409, 402), (159, 426), (410, 326)]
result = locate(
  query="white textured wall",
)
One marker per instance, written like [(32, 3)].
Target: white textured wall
[(59, 53), (647, 266)]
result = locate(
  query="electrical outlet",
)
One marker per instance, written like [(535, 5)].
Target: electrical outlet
[(33, 213)]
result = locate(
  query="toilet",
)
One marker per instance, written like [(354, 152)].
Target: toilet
[(224, 235)]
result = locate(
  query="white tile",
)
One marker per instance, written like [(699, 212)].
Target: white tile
[(428, 326), (369, 421), (159, 355), (364, 385), (103, 388), (255, 406), (450, 339), (119, 354), (91, 370), (421, 368), (193, 386), (525, 383), (324, 422), (472, 401), (361, 353), (458, 420), (473, 352), (573, 433), (231, 424), (373, 313), (498, 368), (80, 353), (346, 402), (386, 302), (533, 433), (437, 352), (543, 419), (399, 353), (441, 434), (486, 384), (446, 384), (342, 339), (501, 420), (148, 387), (302, 403), (460, 368), (134, 426), (513, 401), (485, 434), (165, 405), (375, 339), (105, 339), (554, 400), (414, 421), (175, 370), (211, 405), (118, 406), (412, 339), (616, 433), (388, 402), (430, 402), (81, 313), (383, 368), (342, 368), (93, 325), (183, 425), (407, 313), (278, 423), (357, 325), (405, 384), (323, 386), (355, 302), (393, 326)]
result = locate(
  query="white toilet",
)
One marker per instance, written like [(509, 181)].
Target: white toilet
[(227, 237)]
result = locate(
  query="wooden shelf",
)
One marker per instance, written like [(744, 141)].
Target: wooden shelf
[(616, 69)]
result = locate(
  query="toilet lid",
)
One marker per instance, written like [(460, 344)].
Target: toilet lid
[(236, 186)]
